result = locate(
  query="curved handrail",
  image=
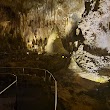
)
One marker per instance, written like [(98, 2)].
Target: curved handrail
[(46, 71)]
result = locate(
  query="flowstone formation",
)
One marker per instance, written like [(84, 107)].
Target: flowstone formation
[(95, 27)]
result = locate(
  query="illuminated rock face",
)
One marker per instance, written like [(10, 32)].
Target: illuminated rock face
[(95, 27), (89, 62), (44, 23), (43, 18), (87, 65), (36, 20)]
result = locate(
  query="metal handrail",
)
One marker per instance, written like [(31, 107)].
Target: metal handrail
[(46, 71), (10, 84)]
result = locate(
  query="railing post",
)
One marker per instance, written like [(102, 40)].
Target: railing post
[(23, 70), (16, 93), (50, 77), (55, 95), (45, 76)]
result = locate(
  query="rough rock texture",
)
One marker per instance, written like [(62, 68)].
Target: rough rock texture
[(41, 20), (48, 26), (38, 19), (90, 62), (93, 54), (95, 26)]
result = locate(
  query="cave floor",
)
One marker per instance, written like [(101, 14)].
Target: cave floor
[(74, 92), (77, 93), (31, 93)]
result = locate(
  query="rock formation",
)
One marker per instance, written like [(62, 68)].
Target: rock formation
[(95, 30), (37, 19), (78, 27)]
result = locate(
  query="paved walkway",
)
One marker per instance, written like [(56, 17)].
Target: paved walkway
[(30, 96)]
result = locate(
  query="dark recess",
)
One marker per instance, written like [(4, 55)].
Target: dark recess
[(96, 7)]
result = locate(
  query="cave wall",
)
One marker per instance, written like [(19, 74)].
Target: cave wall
[(95, 25), (38, 19), (78, 27), (93, 55)]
